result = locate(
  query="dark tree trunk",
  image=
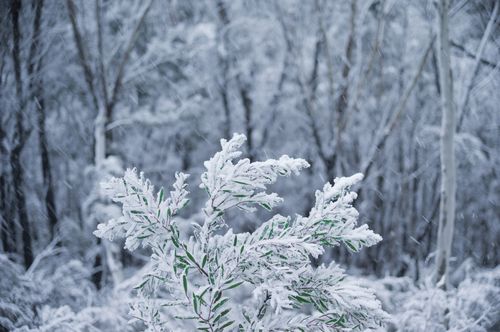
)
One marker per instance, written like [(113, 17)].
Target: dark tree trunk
[(247, 106), (224, 66), (20, 137), (20, 199), (97, 268), (36, 87), (227, 111), (48, 185), (7, 227)]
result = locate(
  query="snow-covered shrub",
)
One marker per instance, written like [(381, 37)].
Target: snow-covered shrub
[(92, 318), (472, 306), (56, 294), (17, 296), (25, 295), (216, 280)]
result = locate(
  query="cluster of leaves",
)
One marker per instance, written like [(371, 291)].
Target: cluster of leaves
[(56, 295), (200, 280)]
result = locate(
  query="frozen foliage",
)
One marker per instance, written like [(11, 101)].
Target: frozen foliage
[(216, 280), (56, 297), (473, 305)]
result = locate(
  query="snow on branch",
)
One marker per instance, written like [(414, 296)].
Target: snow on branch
[(146, 218), (242, 184), (200, 281)]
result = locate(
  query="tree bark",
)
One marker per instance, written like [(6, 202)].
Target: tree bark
[(48, 184), (343, 100), (448, 181), (7, 226), (20, 138), (223, 64), (247, 107), (36, 88)]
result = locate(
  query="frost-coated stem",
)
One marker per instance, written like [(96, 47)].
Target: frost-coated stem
[(448, 181)]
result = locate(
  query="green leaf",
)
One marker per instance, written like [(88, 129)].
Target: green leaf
[(350, 245), (266, 254), (323, 305), (236, 284), (191, 257), (246, 316), (204, 260), (217, 296), (263, 234), (184, 281), (220, 304), (301, 299), (222, 314), (202, 294), (286, 224), (231, 322), (241, 182), (161, 195), (266, 206), (337, 321), (174, 241), (186, 317), (141, 285), (195, 303)]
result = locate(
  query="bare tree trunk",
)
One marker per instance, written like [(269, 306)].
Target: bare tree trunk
[(82, 55), (448, 181), (309, 90), (20, 138), (247, 107), (100, 137), (36, 88), (225, 105), (243, 89), (7, 226), (48, 185), (99, 129), (224, 66), (343, 100)]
